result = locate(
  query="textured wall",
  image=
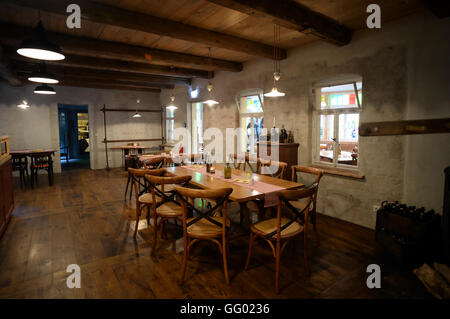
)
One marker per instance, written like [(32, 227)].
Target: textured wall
[(37, 127), (396, 83)]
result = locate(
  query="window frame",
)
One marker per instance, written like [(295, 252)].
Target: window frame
[(167, 120), (318, 111), (251, 115)]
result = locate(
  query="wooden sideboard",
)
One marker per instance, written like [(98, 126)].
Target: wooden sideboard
[(287, 152), (6, 185)]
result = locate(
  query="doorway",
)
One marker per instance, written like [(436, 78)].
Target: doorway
[(74, 141)]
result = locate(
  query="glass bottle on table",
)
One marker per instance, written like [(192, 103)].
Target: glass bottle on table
[(208, 162), (227, 169)]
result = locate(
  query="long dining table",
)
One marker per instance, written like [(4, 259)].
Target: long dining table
[(246, 186)]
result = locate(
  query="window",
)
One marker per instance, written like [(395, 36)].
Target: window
[(170, 123), (252, 120), (197, 128), (337, 120)]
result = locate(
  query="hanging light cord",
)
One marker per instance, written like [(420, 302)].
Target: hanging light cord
[(276, 50)]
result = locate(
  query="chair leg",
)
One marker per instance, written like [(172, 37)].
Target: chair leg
[(250, 249), (49, 173), (225, 260), (126, 188), (131, 190), (185, 259), (148, 215), (277, 267), (138, 215), (313, 220), (22, 177), (305, 255), (155, 233)]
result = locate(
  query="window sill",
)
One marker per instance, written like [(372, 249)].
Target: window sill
[(339, 172)]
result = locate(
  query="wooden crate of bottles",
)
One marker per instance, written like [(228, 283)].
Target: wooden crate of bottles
[(408, 233)]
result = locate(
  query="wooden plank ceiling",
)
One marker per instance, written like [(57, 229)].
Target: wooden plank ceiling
[(173, 37)]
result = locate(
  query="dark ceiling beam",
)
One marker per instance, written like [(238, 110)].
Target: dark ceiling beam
[(5, 69), (110, 15), (117, 65), (107, 86), (294, 16), (90, 73), (13, 34), (100, 79), (441, 9), (114, 85)]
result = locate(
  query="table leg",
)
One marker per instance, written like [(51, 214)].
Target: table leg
[(245, 214)]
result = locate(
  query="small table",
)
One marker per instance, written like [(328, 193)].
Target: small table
[(126, 150), (34, 154)]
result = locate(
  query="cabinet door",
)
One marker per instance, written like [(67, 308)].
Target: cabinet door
[(2, 200), (9, 190)]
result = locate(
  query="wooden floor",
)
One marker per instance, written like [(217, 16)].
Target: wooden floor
[(83, 219)]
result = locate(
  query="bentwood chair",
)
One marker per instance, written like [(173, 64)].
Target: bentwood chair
[(134, 162), (143, 198), (20, 163), (279, 231), (167, 207), (316, 175), (41, 161), (239, 161), (265, 167), (205, 226)]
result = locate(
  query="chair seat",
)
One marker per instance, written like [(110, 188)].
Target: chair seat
[(147, 199), (40, 165), (267, 226), (204, 228), (169, 210)]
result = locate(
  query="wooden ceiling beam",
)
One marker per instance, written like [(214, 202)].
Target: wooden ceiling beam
[(90, 73), (5, 69), (100, 84), (99, 79), (440, 9), (293, 16), (13, 34), (108, 86), (93, 63), (110, 15)]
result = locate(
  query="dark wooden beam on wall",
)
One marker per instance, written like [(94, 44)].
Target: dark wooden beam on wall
[(14, 34), (294, 16), (68, 71), (110, 15), (433, 126)]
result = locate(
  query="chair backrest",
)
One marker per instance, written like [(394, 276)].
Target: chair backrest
[(284, 199), (43, 159), (239, 161), (220, 196), (156, 182), (154, 162), (318, 173), (307, 170), (136, 173), (266, 164)]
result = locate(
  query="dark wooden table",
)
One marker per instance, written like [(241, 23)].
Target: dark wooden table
[(33, 154)]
